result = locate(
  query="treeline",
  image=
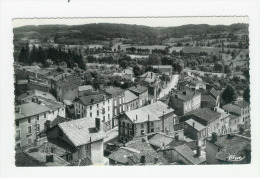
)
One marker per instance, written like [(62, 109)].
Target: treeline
[(50, 56)]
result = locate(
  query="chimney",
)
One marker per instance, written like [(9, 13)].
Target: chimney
[(142, 159), (163, 122), (198, 151), (148, 124), (49, 158), (193, 124), (214, 137), (90, 139), (176, 137), (48, 124), (97, 123), (155, 160)]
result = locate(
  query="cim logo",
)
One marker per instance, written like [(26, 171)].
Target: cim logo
[(235, 158)]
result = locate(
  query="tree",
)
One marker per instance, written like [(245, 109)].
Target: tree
[(218, 67), (137, 71), (48, 63), (154, 59), (246, 74), (229, 94), (33, 55), (227, 69), (22, 55), (124, 64), (246, 94)]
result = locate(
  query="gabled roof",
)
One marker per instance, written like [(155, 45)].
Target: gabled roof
[(30, 109), (138, 89), (114, 90), (129, 96), (196, 124), (132, 152), (188, 154), (78, 131), (204, 113), (154, 111), (214, 92), (32, 93), (159, 140), (85, 87), (92, 99), (184, 95)]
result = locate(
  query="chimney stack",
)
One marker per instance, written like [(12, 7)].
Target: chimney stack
[(97, 123), (142, 159), (198, 151), (193, 124)]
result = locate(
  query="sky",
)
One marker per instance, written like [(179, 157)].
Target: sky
[(153, 22)]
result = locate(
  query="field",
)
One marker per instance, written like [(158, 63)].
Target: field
[(124, 46)]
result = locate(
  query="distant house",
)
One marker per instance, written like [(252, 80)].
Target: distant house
[(141, 92), (118, 99), (149, 119), (215, 121), (128, 74), (240, 113), (85, 90), (228, 149), (184, 101), (131, 101), (30, 118), (210, 99), (98, 105), (28, 95), (149, 78), (136, 152), (39, 84), (164, 69), (82, 138)]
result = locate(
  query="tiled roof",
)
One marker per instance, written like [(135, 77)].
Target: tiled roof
[(204, 113), (188, 154), (32, 93), (242, 103), (78, 131), (197, 125), (24, 160), (114, 90), (129, 96), (138, 89), (162, 66), (30, 109), (185, 95), (159, 140), (214, 92), (233, 145), (92, 99), (154, 110), (205, 97), (85, 87), (128, 71), (60, 76), (134, 150)]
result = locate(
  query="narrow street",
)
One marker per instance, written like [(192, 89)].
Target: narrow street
[(172, 84)]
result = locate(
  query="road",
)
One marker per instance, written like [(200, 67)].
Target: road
[(172, 84)]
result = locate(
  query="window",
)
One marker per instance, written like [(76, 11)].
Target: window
[(44, 115), (97, 105), (142, 125), (103, 103), (18, 134), (108, 116), (38, 127), (152, 124), (115, 112), (104, 118), (108, 108), (38, 118), (90, 107), (17, 123), (115, 103), (29, 120), (243, 119), (152, 130), (18, 145), (123, 124), (98, 113), (29, 129), (90, 114), (60, 133), (108, 101), (142, 132)]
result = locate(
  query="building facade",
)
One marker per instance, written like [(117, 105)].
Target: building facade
[(142, 93)]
